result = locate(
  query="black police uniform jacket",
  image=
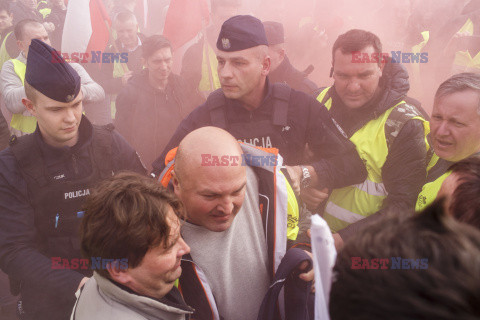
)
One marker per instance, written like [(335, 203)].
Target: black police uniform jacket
[(286, 73), (286, 120), (42, 189)]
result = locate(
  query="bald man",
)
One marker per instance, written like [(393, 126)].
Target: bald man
[(241, 213)]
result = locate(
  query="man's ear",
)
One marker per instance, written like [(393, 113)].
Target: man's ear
[(30, 106), (20, 45), (118, 274), (176, 184), (382, 65), (282, 54), (266, 65)]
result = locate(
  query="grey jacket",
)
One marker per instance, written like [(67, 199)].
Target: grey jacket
[(101, 299), (13, 92)]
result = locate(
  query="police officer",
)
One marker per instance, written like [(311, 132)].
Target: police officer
[(281, 70), (44, 178), (268, 115)]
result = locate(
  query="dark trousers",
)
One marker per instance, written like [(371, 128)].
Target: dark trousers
[(8, 303)]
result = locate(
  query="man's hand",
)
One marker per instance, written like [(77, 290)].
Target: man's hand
[(126, 77), (313, 197), (84, 280), (310, 275), (338, 241)]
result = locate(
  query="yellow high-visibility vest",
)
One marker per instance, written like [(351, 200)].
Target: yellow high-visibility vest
[(25, 124), (4, 56), (209, 81), (430, 190), (353, 203), (415, 76), (464, 62)]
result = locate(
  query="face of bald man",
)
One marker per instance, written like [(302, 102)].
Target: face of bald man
[(212, 195)]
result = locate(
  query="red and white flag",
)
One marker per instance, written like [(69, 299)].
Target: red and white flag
[(86, 27), (185, 19)]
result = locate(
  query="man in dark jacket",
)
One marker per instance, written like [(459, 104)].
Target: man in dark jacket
[(268, 115), (44, 178), (367, 101), (154, 102), (280, 69)]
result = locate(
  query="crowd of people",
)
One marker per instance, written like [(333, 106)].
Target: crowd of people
[(179, 182)]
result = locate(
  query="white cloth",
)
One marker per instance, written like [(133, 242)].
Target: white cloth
[(324, 255)]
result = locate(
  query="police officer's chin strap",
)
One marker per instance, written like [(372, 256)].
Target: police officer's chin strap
[(331, 72)]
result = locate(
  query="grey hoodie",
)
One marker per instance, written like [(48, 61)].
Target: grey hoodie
[(101, 299)]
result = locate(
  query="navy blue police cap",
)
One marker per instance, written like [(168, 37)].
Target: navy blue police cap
[(48, 73), (274, 32), (240, 33)]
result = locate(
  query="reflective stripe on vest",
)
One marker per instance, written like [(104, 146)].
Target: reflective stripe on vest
[(25, 124), (321, 97), (4, 56), (429, 192), (464, 62), (350, 204), (202, 277), (210, 81)]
